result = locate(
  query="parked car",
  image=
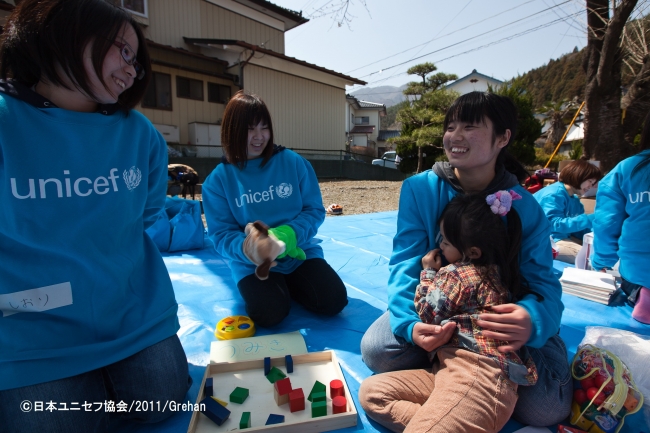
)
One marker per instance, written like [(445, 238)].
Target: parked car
[(387, 160)]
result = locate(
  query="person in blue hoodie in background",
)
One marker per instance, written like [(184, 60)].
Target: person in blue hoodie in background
[(478, 128), (621, 218), (258, 180), (561, 204), (89, 318)]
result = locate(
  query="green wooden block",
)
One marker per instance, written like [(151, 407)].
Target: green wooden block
[(318, 387), (245, 421), (318, 408), (239, 395), (275, 374), (318, 396)]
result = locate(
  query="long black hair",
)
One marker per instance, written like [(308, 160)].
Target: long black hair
[(46, 38), (469, 222), (474, 107)]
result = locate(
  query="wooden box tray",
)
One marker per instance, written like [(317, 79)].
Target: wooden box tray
[(307, 369)]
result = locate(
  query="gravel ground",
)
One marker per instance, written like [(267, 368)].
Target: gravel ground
[(361, 196), (357, 196)]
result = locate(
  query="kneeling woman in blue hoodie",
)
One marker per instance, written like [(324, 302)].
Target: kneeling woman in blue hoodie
[(260, 181)]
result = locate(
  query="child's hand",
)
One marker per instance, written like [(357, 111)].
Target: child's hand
[(430, 337), (432, 260)]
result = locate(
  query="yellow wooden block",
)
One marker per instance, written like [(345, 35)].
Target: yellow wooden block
[(221, 402)]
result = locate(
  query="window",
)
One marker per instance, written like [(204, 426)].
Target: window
[(189, 88), (159, 92), (218, 93), (138, 7), (362, 120)]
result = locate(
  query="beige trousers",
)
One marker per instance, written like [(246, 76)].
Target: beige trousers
[(466, 392)]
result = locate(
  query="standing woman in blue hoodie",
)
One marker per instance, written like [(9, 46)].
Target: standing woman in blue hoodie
[(88, 315), (258, 180), (621, 217)]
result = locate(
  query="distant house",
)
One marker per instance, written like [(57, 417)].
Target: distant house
[(203, 51), (473, 82), (382, 140), (362, 124)]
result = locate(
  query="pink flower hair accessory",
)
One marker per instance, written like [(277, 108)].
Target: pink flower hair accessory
[(501, 201)]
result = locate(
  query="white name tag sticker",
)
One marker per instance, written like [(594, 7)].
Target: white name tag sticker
[(36, 300)]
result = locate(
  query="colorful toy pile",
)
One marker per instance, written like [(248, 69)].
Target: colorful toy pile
[(604, 393)]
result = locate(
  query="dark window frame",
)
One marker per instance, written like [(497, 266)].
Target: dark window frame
[(219, 87), (189, 88), (153, 83)]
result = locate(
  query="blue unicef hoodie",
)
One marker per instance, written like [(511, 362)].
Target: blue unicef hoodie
[(81, 284), (622, 216), (566, 213), (284, 191), (422, 200)]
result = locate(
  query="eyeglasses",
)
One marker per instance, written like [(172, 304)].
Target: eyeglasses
[(129, 57)]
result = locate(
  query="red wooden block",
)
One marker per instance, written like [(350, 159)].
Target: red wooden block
[(281, 390), (339, 404), (336, 388), (297, 400)]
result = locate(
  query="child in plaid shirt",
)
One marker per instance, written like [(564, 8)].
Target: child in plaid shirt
[(483, 271)]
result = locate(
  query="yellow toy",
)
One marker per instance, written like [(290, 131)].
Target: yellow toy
[(233, 327)]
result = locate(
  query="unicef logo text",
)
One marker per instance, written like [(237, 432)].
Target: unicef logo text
[(284, 190)]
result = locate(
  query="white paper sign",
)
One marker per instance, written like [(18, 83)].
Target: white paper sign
[(36, 300), (252, 348)]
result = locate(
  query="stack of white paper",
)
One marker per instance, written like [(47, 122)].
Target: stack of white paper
[(591, 285)]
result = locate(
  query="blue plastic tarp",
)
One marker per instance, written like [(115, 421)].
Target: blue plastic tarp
[(358, 247)]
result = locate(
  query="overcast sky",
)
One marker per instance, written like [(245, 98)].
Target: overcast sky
[(499, 38)]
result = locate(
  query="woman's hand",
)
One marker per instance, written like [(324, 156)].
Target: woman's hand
[(507, 322), (432, 260), (430, 337)]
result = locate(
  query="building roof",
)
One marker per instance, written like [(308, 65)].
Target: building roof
[(362, 129), (359, 104), (474, 73), (385, 134), (266, 7), (222, 43)]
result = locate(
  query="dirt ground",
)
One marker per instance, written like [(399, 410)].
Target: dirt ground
[(361, 196), (358, 196)]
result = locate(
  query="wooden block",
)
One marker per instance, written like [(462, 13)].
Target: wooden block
[(318, 408), (318, 396), (288, 361), (275, 375), (336, 388), (208, 389), (339, 404), (213, 410), (281, 390), (245, 421), (267, 366), (318, 387), (239, 395), (631, 402), (221, 402), (275, 419), (296, 400)]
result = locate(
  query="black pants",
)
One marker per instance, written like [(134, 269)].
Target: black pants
[(314, 284)]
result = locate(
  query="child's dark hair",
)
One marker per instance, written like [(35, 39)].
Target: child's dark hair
[(469, 222), (45, 38), (242, 112)]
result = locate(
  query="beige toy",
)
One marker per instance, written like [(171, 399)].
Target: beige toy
[(261, 248)]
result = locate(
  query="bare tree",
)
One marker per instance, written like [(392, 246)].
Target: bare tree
[(604, 138), (338, 11)]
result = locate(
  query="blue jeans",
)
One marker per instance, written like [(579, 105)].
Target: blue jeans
[(546, 403), (157, 373)]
